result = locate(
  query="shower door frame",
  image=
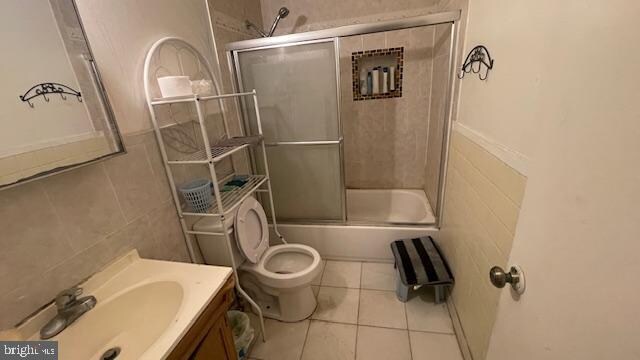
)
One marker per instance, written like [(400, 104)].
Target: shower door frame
[(333, 35)]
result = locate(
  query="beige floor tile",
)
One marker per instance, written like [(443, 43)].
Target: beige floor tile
[(381, 308), (382, 344), (434, 346), (330, 341), (378, 276), (425, 315), (342, 274), (337, 304), (315, 289), (316, 280), (284, 341)]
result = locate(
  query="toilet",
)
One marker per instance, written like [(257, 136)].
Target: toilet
[(277, 277)]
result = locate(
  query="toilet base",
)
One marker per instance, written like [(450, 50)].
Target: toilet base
[(288, 305)]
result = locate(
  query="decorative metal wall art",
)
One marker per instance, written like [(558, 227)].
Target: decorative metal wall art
[(478, 58), (44, 89)]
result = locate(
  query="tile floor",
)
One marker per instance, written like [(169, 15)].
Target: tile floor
[(359, 318)]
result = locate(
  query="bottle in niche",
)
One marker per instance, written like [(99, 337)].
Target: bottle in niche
[(369, 82), (363, 82), (392, 78), (385, 80), (375, 75)]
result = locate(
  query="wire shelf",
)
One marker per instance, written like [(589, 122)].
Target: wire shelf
[(219, 151), (231, 199), (194, 98)]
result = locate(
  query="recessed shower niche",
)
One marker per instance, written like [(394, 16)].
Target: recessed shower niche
[(377, 74)]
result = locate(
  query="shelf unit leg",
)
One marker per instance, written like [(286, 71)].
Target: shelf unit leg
[(234, 267), (256, 308)]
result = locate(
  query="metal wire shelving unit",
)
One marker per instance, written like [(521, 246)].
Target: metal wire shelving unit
[(225, 202)]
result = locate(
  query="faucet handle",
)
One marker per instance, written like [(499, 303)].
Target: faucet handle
[(67, 296)]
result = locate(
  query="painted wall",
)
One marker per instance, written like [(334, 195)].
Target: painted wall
[(60, 230), (580, 213), (502, 110), (121, 32)]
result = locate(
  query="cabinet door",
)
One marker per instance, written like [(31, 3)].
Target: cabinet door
[(218, 344)]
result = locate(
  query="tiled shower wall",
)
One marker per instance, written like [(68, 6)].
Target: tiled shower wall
[(308, 15), (483, 198), (385, 139)]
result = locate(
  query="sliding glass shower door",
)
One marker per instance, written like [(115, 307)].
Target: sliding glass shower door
[(299, 107)]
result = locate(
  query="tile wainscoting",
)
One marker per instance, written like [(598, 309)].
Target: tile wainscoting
[(482, 204)]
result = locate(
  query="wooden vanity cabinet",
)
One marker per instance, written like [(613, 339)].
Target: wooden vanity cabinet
[(210, 337)]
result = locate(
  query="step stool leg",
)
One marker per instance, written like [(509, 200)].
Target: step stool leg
[(440, 293), (402, 290)]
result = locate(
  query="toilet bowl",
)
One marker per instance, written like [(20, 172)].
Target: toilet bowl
[(277, 277)]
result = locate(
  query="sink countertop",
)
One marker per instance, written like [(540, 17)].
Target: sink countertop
[(199, 285)]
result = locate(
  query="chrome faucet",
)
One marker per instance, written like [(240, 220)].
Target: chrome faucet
[(70, 308)]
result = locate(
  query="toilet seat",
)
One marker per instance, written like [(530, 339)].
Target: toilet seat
[(284, 266), (252, 231), (303, 275)]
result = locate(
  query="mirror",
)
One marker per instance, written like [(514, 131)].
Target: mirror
[(54, 113)]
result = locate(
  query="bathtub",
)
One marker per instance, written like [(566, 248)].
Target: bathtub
[(375, 218), (351, 242), (396, 206)]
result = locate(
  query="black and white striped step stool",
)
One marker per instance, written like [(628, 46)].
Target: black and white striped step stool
[(419, 262)]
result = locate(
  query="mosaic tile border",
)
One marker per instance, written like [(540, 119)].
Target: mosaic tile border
[(398, 52)]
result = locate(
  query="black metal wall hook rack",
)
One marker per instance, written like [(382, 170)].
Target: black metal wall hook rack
[(477, 57), (44, 89)]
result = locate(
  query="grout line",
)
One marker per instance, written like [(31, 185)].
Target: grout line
[(324, 268), (306, 336), (65, 229), (406, 316), (112, 187), (355, 352), (354, 288)]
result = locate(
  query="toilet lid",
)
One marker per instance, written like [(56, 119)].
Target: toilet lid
[(252, 231)]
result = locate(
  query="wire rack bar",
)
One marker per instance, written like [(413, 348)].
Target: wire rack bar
[(219, 151), (231, 199), (194, 98)]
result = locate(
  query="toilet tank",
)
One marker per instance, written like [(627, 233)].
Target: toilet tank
[(213, 247)]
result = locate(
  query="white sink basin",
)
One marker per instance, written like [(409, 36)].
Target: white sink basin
[(144, 308), (131, 321)]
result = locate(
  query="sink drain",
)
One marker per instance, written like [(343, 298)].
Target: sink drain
[(111, 354)]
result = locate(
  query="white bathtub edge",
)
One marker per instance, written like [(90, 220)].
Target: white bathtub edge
[(351, 242)]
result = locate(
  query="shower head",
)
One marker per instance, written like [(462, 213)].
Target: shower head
[(282, 13)]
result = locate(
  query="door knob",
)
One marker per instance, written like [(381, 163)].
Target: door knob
[(515, 276)]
